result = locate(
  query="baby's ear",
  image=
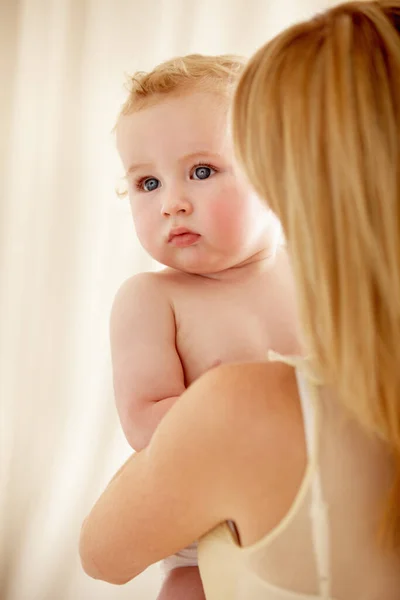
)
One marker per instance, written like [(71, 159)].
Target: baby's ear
[(122, 188)]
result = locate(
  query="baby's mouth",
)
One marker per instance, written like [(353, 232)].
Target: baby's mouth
[(182, 237)]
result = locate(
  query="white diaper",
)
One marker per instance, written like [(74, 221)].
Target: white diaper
[(184, 558)]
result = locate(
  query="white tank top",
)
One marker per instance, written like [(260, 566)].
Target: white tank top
[(326, 547)]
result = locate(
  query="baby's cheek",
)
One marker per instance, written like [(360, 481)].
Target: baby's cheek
[(145, 226), (223, 223), (234, 219)]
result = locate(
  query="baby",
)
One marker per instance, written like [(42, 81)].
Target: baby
[(226, 294)]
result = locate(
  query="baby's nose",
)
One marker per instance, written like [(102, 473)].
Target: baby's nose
[(177, 206)]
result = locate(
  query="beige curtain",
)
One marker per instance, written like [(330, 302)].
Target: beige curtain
[(66, 243)]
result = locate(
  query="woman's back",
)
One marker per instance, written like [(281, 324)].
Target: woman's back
[(328, 543)]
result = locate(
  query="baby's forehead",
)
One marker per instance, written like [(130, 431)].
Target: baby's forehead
[(196, 109), (178, 126)]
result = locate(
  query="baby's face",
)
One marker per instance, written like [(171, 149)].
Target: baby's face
[(191, 206)]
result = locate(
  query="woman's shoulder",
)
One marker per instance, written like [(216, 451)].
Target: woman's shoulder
[(246, 388), (251, 419), (254, 403), (237, 406)]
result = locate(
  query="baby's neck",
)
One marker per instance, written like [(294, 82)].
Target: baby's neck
[(252, 266)]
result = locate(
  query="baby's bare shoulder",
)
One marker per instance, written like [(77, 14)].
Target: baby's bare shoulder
[(141, 285), (150, 295), (163, 281), (142, 295)]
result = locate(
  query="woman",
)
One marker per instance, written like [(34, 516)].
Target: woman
[(290, 477)]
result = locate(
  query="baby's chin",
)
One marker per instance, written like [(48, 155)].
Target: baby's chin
[(194, 266)]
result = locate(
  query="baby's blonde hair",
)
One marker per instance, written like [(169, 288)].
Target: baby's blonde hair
[(317, 127), (217, 74)]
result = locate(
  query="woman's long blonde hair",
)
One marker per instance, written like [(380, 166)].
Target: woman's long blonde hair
[(317, 128)]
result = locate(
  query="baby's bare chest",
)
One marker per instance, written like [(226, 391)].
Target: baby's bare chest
[(230, 325)]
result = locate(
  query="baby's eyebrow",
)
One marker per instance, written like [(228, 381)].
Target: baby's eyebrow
[(200, 153), (136, 167)]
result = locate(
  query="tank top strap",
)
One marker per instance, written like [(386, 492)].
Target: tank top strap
[(319, 518), (318, 508), (300, 363)]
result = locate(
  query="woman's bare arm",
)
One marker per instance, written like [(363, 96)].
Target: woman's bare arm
[(203, 466)]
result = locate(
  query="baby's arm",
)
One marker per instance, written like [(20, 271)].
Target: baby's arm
[(147, 371)]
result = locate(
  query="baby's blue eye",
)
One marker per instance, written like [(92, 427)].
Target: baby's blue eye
[(203, 172), (151, 184)]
